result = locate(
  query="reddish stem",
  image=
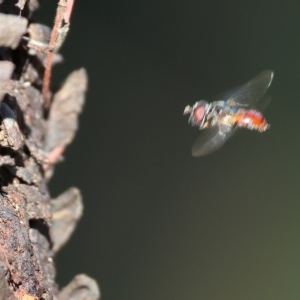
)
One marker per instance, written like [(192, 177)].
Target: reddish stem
[(63, 13)]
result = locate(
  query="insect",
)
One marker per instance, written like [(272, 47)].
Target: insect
[(239, 108)]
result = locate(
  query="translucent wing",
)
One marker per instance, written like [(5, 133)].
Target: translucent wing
[(210, 140), (250, 94), (263, 103)]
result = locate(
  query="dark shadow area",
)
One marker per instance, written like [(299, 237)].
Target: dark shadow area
[(42, 227), (158, 223)]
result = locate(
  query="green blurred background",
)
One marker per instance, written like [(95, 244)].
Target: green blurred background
[(158, 223)]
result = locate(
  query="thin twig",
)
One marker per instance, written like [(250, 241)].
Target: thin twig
[(68, 11), (63, 13)]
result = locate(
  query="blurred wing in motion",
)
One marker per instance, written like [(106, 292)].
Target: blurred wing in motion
[(263, 103), (210, 140), (249, 94)]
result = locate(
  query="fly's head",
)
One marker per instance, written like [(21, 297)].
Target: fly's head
[(198, 113)]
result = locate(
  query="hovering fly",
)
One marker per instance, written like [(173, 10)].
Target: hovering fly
[(236, 108)]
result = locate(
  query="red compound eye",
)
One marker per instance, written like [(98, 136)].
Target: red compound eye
[(199, 114)]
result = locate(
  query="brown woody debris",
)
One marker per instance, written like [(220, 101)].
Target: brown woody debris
[(12, 28), (67, 104), (81, 287), (66, 211)]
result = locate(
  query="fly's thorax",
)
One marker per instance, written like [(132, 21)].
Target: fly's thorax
[(221, 113), (224, 120)]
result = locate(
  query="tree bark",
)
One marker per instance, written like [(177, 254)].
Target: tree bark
[(34, 132)]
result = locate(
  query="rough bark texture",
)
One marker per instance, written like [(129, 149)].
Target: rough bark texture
[(32, 139)]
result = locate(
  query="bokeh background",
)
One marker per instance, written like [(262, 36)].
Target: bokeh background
[(158, 223)]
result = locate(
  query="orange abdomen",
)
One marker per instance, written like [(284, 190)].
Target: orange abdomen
[(251, 119)]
